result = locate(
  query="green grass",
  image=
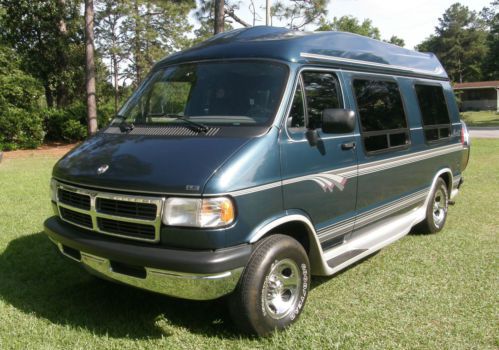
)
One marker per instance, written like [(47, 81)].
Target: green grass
[(481, 118), (422, 292)]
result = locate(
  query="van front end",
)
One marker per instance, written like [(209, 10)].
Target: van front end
[(182, 273), (190, 241)]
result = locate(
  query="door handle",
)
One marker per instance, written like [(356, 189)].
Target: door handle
[(348, 145)]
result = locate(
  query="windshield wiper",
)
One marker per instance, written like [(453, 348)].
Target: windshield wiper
[(126, 127), (199, 126)]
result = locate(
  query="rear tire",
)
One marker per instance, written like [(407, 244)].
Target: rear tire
[(273, 288), (436, 210)]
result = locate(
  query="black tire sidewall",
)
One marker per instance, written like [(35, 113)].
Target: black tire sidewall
[(274, 249), (429, 210)]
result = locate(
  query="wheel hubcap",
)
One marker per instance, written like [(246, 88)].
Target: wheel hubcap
[(280, 292), (439, 207)]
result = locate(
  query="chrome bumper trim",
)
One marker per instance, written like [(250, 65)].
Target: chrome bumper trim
[(176, 284)]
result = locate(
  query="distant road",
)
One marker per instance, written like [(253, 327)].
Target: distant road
[(484, 132)]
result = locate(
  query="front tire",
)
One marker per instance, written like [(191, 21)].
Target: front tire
[(273, 288), (436, 210)]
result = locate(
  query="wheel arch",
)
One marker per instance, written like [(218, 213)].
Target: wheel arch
[(300, 227), (446, 175)]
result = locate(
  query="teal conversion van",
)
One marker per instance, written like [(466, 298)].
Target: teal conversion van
[(245, 165)]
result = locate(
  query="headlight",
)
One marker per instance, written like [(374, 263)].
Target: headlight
[(196, 212), (53, 190)]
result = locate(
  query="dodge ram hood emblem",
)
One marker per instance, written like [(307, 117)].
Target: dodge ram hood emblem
[(102, 169)]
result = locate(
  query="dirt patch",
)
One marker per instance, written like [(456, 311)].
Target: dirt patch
[(46, 150)]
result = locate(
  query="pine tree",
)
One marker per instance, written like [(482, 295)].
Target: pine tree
[(459, 42), (352, 25), (111, 40), (154, 29), (90, 68)]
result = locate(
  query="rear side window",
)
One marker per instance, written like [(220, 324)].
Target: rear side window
[(382, 116), (434, 113)]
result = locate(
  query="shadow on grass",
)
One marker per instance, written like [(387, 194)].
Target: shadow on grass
[(36, 279)]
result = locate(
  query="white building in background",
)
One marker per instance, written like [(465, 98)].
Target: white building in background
[(479, 95)]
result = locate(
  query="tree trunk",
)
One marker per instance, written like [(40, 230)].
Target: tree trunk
[(49, 96), (115, 78), (61, 90), (219, 16), (90, 67), (137, 53)]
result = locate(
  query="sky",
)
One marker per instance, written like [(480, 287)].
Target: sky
[(411, 20)]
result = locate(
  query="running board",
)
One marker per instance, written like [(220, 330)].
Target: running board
[(340, 259), (370, 239)]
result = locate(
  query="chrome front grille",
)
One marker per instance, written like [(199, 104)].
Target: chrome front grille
[(127, 216), (74, 199), (130, 209)]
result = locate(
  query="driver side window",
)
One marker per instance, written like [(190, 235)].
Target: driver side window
[(314, 92)]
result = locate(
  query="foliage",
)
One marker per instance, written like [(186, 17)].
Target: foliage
[(459, 42), (491, 61), (300, 13), (395, 40), (48, 37), (111, 41), (18, 88), (20, 128), (154, 29), (204, 14), (20, 97), (352, 25), (69, 124), (61, 123)]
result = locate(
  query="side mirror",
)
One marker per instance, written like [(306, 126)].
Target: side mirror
[(338, 121)]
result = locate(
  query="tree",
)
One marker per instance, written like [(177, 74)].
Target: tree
[(459, 42), (297, 13), (153, 30), (219, 16), (48, 37), (111, 39), (352, 25), (395, 40), (300, 12), (20, 99), (491, 61), (90, 67)]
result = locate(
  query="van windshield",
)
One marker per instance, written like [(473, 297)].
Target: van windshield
[(208, 93)]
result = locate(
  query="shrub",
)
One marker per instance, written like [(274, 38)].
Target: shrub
[(20, 129), (67, 124), (105, 114), (72, 130)]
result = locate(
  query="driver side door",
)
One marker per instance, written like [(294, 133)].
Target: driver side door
[(319, 180)]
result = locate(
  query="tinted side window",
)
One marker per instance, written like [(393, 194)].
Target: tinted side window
[(381, 114), (436, 122), (322, 90)]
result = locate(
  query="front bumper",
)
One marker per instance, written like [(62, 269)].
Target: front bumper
[(196, 275)]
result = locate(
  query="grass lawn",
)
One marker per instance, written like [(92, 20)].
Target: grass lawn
[(422, 292), (481, 118)]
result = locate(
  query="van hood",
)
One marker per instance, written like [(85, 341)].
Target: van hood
[(155, 164)]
